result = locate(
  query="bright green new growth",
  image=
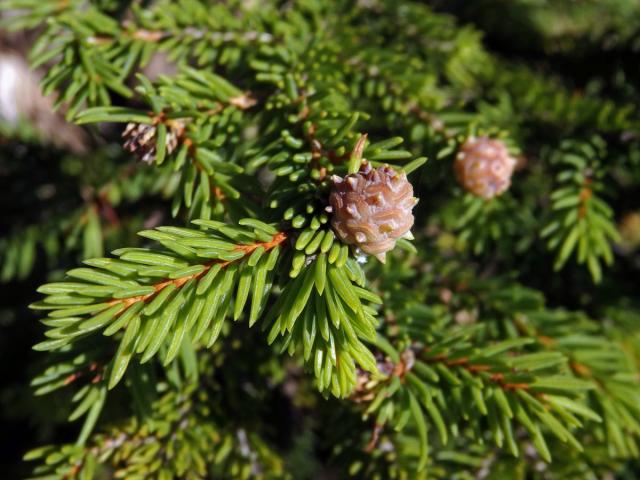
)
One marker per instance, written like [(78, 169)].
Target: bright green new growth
[(159, 299), (445, 362)]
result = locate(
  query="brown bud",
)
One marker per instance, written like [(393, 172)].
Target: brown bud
[(372, 208), (484, 167), (140, 139)]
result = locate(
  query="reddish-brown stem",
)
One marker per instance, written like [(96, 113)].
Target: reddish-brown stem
[(93, 367), (277, 239), (463, 362), (375, 435), (585, 194)]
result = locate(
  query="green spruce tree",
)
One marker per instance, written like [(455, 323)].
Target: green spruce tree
[(370, 241)]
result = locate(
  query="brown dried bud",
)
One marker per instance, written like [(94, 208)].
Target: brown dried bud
[(629, 228), (484, 167), (366, 384), (140, 139), (372, 208)]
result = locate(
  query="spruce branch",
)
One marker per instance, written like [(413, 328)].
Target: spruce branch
[(580, 223), (597, 360), (190, 118), (201, 272), (278, 129), (435, 382), (179, 440)]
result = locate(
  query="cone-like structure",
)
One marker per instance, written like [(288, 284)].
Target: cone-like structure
[(372, 208), (484, 167), (140, 139)]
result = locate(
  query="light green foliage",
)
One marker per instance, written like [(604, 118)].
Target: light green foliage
[(322, 313), (181, 293), (580, 221)]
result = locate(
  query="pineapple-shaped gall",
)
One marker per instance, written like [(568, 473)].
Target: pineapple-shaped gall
[(140, 139), (484, 167), (372, 208)]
